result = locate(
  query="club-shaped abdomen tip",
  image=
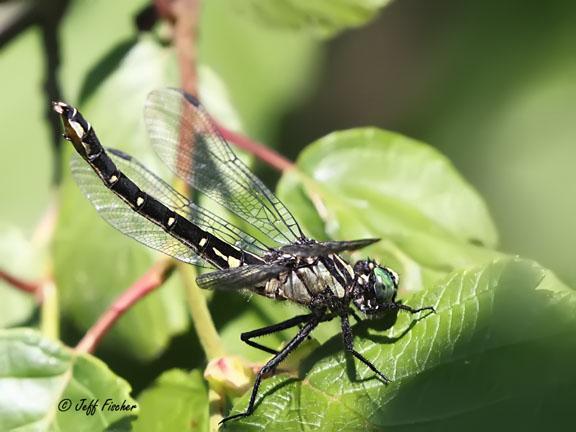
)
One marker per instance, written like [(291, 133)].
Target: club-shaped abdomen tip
[(59, 107)]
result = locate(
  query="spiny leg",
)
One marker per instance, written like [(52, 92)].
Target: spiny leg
[(348, 338), (292, 322), (274, 361)]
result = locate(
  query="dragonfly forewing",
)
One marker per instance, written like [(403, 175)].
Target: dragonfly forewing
[(188, 142)]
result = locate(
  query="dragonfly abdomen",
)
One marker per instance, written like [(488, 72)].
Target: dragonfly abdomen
[(206, 245)]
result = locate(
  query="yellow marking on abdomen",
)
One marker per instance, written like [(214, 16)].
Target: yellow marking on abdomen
[(220, 254), (233, 262)]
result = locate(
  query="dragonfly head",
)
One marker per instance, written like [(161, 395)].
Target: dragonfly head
[(376, 287)]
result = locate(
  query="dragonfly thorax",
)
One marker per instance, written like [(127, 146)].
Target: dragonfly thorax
[(306, 279), (375, 288)]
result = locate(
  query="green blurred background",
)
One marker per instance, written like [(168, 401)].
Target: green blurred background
[(491, 84)]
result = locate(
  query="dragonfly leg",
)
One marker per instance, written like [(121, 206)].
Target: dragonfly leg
[(313, 321), (292, 322), (349, 346), (355, 315)]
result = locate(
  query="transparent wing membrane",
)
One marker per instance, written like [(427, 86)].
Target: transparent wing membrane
[(190, 145), (239, 278), (167, 195)]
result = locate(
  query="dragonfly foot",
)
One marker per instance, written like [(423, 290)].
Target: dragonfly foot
[(233, 417)]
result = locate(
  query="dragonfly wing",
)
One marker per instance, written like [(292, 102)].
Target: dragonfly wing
[(180, 204), (326, 248), (242, 277), (189, 143), (118, 214)]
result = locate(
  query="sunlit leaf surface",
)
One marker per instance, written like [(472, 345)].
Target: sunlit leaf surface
[(373, 183)]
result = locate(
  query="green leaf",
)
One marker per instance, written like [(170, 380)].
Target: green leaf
[(93, 262), (42, 382), (374, 183), (177, 401), (324, 17), (501, 346)]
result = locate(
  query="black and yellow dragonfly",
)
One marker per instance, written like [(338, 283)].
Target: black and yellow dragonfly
[(273, 258)]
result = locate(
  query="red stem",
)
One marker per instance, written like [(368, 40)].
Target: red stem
[(164, 9), (186, 14), (151, 280), (266, 154), (30, 287)]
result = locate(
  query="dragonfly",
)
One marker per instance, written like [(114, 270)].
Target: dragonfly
[(273, 258)]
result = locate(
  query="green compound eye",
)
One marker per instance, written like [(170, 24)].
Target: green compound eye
[(385, 286)]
